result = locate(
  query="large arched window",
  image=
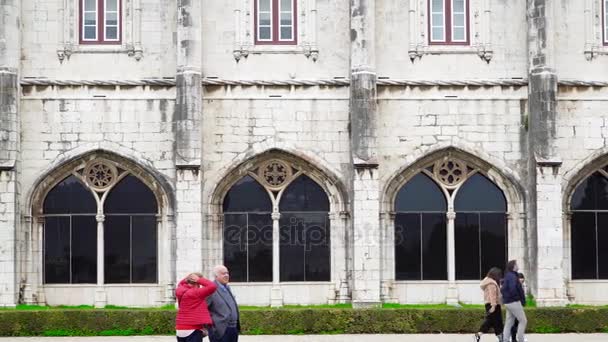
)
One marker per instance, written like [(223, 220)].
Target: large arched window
[(449, 198), (276, 202), (420, 231), (480, 229), (100, 195), (589, 225)]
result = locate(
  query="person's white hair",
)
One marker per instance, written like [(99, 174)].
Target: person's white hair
[(217, 269)]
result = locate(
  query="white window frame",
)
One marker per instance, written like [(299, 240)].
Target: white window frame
[(443, 24), (605, 22), (257, 29), (84, 12), (466, 24), (293, 19), (105, 19)]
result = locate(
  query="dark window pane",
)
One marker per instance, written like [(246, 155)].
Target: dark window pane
[(591, 194), (131, 196), (584, 262), (493, 241), (259, 240), (70, 197), (90, 32), (304, 194), (144, 240), (602, 243), (117, 236), (420, 194), (317, 256), (434, 247), (247, 195), (480, 194), (467, 246), (111, 32), (57, 250), (235, 246), (407, 247), (292, 236), (84, 249)]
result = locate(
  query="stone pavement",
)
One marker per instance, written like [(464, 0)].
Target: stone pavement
[(326, 338)]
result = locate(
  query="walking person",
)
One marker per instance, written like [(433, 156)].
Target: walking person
[(193, 317), (514, 299), (224, 309), (522, 280), (491, 297)]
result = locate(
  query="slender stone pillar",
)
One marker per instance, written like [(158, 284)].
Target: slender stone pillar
[(10, 48), (545, 228), (367, 249)]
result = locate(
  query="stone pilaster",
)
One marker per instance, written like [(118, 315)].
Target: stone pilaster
[(10, 48)]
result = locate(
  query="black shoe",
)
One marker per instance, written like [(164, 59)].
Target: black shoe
[(476, 337)]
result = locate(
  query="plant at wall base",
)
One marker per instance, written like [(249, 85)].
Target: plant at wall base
[(546, 330), (530, 301)]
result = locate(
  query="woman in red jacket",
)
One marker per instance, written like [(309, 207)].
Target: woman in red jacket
[(192, 313)]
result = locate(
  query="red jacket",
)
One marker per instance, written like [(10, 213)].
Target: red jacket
[(192, 312)]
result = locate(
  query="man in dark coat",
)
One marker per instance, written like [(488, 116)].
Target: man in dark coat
[(224, 309)]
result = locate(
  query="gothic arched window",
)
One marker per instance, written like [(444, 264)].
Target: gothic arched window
[(480, 228), (420, 231), (589, 227), (276, 200), (97, 196)]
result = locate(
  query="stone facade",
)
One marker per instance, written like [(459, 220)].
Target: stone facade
[(188, 103)]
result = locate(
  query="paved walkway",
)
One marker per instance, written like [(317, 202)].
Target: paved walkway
[(325, 338)]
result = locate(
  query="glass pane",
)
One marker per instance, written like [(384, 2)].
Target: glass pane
[(434, 247), (420, 194), (493, 232), (602, 243), (259, 240), (286, 33), (111, 33), (584, 261), (286, 5), (264, 5), (591, 194), (90, 5), (458, 20), (235, 246), (111, 5), (144, 260), (90, 18), (304, 194), (265, 19), (478, 193), (437, 34), (437, 20), (459, 34), (131, 196), (57, 250), (84, 249), (407, 247), (264, 33), (292, 243), (112, 19), (458, 6), (89, 32), (70, 197), (286, 19), (247, 195), (466, 235), (437, 6), (317, 255), (117, 244)]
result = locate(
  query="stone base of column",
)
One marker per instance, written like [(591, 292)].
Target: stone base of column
[(364, 304), (101, 299), (452, 295), (168, 294), (28, 295), (343, 295), (276, 297), (386, 294)]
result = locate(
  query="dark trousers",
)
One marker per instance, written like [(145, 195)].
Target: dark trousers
[(514, 331), (196, 336), (493, 320), (231, 335)]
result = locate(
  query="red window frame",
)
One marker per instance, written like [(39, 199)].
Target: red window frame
[(100, 24), (604, 36), (275, 25), (447, 5)]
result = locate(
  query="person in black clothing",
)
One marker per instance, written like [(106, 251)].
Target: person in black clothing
[(514, 298), (522, 279)]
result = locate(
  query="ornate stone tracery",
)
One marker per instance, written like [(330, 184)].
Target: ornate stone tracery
[(100, 175), (275, 174)]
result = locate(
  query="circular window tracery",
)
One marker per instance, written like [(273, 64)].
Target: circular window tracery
[(100, 175), (450, 172), (275, 173)]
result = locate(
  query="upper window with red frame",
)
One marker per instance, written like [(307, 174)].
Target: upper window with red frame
[(449, 22), (275, 22), (605, 20), (100, 21)]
